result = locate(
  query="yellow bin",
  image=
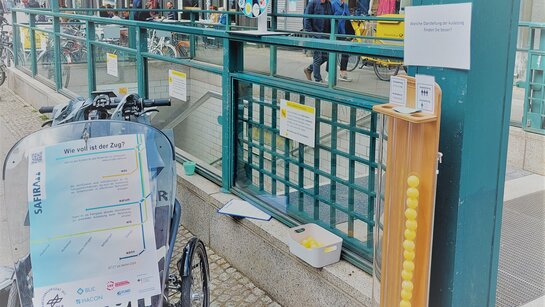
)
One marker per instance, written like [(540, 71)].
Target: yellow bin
[(391, 29)]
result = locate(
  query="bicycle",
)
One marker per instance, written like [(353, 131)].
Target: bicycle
[(383, 67), (159, 42), (6, 54), (99, 144)]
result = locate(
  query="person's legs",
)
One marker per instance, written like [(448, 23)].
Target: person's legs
[(317, 61), (343, 74)]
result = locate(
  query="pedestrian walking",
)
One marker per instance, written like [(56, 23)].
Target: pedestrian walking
[(319, 26), (340, 8)]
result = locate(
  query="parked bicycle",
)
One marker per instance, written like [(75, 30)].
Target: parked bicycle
[(6, 53), (103, 122)]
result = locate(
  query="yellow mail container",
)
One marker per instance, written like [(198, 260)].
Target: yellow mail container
[(391, 29)]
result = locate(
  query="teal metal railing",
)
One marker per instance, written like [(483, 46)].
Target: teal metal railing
[(332, 183), (533, 116)]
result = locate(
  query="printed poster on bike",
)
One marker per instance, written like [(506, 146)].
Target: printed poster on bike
[(92, 238)]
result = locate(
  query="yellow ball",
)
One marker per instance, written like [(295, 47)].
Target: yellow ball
[(410, 214), (408, 255), (404, 303), (408, 245), (408, 265), (412, 203), (412, 192), (410, 234), (411, 224), (406, 275), (406, 295), (413, 181), (407, 285)]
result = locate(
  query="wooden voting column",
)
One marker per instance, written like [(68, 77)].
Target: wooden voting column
[(409, 201)]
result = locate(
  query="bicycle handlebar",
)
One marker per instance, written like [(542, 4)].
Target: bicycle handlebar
[(147, 103), (46, 110)]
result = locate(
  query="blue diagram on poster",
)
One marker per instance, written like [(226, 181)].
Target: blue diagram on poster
[(253, 8)]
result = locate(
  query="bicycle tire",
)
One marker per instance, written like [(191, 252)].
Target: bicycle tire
[(2, 75), (13, 296), (385, 76), (353, 61), (170, 51), (195, 287)]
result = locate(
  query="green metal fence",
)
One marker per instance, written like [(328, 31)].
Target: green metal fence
[(533, 116), (332, 183)]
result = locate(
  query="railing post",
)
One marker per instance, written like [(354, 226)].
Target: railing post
[(232, 62), (192, 40), (132, 32), (141, 62), (272, 49), (16, 40), (57, 45), (91, 72), (332, 58), (32, 38)]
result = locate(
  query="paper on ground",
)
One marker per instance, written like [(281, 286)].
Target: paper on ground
[(241, 208)]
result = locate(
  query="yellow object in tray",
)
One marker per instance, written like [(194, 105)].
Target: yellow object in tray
[(310, 242)]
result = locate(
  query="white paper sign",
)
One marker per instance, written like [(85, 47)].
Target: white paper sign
[(297, 122), (425, 93), (111, 65), (177, 85), (398, 91), (438, 35)]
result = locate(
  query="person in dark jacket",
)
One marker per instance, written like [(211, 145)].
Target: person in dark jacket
[(172, 15), (317, 25)]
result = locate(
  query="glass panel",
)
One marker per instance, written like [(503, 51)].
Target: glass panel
[(168, 44), (24, 59), (74, 66), (126, 79), (113, 34), (196, 117), (209, 49), (257, 58), (327, 183), (367, 74), (45, 56)]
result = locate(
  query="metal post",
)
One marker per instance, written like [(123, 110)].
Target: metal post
[(332, 58), (91, 72), (132, 32), (475, 117), (16, 41), (232, 62), (57, 46), (192, 38), (141, 62), (32, 37)]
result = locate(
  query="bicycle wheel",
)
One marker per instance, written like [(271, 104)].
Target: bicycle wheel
[(353, 61), (170, 51), (193, 268), (385, 71), (2, 74)]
